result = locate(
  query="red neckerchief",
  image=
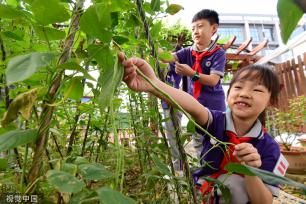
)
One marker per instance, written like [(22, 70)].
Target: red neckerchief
[(197, 67), (207, 187)]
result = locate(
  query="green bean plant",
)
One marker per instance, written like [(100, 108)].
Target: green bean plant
[(71, 131)]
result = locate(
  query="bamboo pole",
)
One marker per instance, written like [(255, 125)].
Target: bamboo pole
[(47, 112)]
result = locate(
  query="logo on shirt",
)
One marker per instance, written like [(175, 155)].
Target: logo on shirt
[(208, 63), (281, 166)]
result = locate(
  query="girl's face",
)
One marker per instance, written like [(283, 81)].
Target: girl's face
[(247, 99)]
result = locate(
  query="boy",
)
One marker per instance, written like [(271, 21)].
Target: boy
[(203, 62)]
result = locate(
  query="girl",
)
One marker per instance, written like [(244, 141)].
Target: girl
[(252, 89)]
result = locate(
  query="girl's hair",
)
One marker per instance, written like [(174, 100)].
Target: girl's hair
[(265, 76), (261, 73)]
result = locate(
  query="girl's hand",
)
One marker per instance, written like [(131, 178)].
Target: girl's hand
[(184, 69), (133, 80), (246, 153)]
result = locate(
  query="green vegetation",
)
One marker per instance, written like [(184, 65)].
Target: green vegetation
[(56, 145)]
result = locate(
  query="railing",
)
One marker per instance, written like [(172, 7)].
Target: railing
[(292, 78)]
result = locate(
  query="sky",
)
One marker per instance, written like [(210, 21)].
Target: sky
[(222, 7)]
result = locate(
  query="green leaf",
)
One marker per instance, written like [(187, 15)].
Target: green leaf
[(115, 19), (74, 66), (74, 88), (10, 12), (162, 168), (64, 182), (116, 5), (95, 25), (120, 39), (69, 168), (266, 176), (166, 56), (104, 15), (109, 81), (286, 8), (16, 138), (22, 67), (191, 127), (109, 196), (174, 8), (3, 164), (103, 55), (51, 11), (238, 168), (80, 160), (156, 29), (48, 33), (226, 194), (94, 171), (23, 104), (80, 197), (12, 3), (12, 35), (155, 5)]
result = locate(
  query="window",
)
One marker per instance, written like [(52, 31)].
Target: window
[(228, 31), (260, 32)]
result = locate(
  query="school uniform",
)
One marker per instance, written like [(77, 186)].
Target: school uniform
[(213, 62), (220, 125)]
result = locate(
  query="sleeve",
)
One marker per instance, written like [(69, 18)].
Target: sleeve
[(173, 80), (274, 162), (182, 54), (219, 62), (215, 118)]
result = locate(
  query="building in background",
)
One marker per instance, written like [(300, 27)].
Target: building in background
[(258, 27)]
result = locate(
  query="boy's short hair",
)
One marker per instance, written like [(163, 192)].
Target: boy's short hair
[(207, 14)]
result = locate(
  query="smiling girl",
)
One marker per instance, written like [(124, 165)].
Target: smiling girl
[(252, 89)]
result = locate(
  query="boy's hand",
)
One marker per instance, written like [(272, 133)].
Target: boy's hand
[(131, 78), (184, 69), (246, 153)]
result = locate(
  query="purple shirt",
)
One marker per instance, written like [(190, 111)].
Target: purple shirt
[(218, 123), (210, 97), (173, 79)]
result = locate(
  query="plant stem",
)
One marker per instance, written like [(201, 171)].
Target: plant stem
[(135, 132), (73, 133), (47, 112), (102, 134), (86, 134), (25, 160)]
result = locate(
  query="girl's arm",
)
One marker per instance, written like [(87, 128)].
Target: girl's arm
[(135, 82), (257, 190)]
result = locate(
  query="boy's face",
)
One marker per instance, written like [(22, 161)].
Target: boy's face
[(202, 31)]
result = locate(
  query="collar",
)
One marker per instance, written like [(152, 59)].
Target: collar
[(255, 132), (211, 46)]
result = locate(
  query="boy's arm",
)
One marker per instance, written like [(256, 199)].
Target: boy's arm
[(186, 70), (135, 82)]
